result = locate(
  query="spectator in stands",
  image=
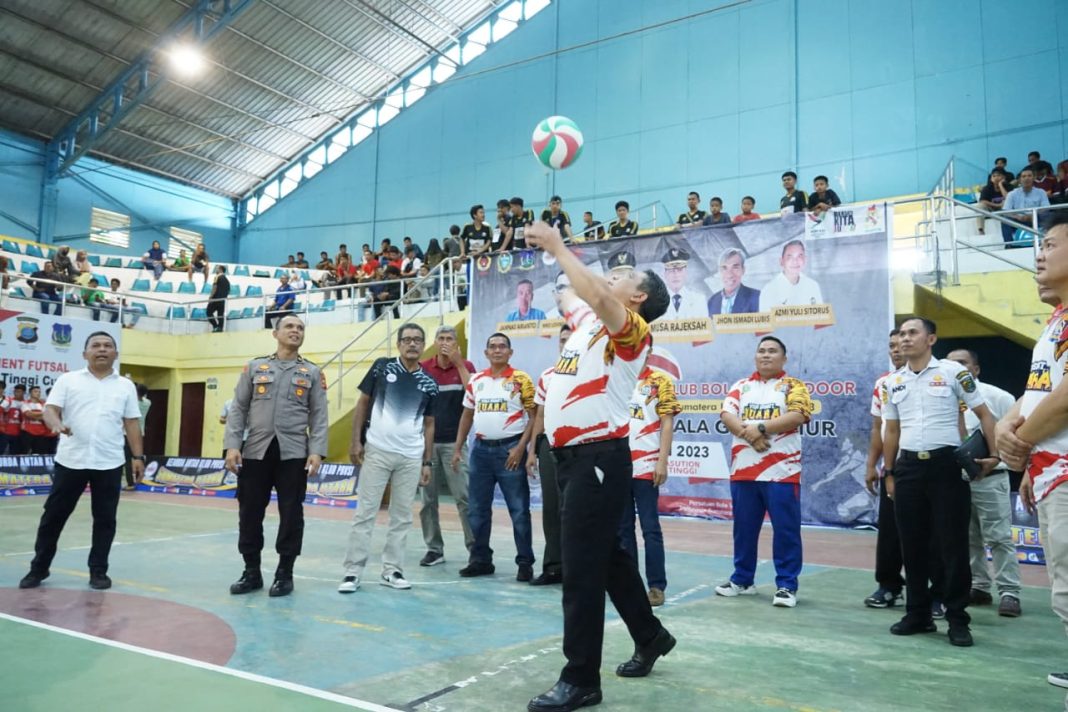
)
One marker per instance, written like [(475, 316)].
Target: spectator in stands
[(503, 230), (409, 244), (325, 263), (65, 269), (85, 270), (715, 215), (342, 251), (5, 282), (155, 259), (692, 216), (1060, 193), (181, 264), (1002, 163), (434, 254), (345, 274), (1025, 197), (420, 291), (453, 245), (992, 196), (34, 431), (1044, 179), (477, 235), (386, 249), (390, 292), (557, 217), (518, 220), (822, 198), (290, 262), (220, 290), (459, 283), (396, 258), (623, 225), (283, 302), (301, 262), (46, 291), (748, 203), (1032, 159), (411, 263), (94, 299), (368, 267), (200, 263), (795, 200), (118, 302), (296, 281), (591, 229)]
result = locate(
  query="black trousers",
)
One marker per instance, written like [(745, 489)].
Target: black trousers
[(67, 487), (268, 316), (888, 546), (550, 506), (254, 484), (933, 506), (216, 311), (594, 562)]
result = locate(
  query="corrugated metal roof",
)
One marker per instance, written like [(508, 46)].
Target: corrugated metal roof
[(280, 77)]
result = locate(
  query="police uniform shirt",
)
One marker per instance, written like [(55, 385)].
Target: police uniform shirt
[(402, 398), (518, 223), (275, 398), (620, 230), (475, 239), (796, 200), (558, 221), (927, 404), (694, 218)]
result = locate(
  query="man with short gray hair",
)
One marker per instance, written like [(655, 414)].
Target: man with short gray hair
[(735, 297)]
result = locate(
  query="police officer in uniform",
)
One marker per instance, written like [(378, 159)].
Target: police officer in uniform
[(932, 503), (281, 400)]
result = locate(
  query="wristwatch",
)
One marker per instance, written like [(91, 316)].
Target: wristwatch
[(142, 458), (428, 464), (762, 429)]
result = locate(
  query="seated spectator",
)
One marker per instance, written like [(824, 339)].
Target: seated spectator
[(1060, 193), (591, 229), (716, 216), (45, 292), (422, 291), (557, 217), (181, 264), (408, 243), (385, 249), (795, 200), (65, 269), (1044, 179), (477, 236), (5, 283), (395, 258), (693, 216), (290, 263), (623, 225), (411, 263), (1025, 197), (301, 263), (156, 260), (325, 262), (345, 274), (296, 281), (118, 301), (389, 293), (36, 435), (1032, 160), (85, 270), (992, 197), (342, 251), (453, 246), (283, 302), (94, 299), (200, 263), (748, 203), (823, 198), (434, 254), (1002, 163)]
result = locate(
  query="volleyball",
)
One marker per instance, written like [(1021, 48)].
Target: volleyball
[(557, 142)]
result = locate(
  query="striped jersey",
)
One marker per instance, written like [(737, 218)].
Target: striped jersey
[(500, 403), (653, 397), (586, 399), (1048, 466), (755, 400), (543, 384)]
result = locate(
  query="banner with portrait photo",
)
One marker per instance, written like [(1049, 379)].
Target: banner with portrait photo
[(36, 349), (826, 296)]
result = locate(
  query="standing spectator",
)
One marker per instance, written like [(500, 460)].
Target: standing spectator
[(992, 196), (389, 293), (65, 269), (409, 244), (557, 217), (991, 520), (220, 290), (325, 263), (181, 264), (35, 433), (459, 283), (518, 222), (282, 448), (591, 229), (91, 409), (931, 501), (453, 244), (399, 396), (411, 264), (451, 372), (94, 299), (503, 232), (716, 216), (283, 302), (156, 260), (747, 214), (795, 200), (45, 291), (693, 215), (498, 406), (653, 408), (200, 263), (823, 198), (764, 412), (623, 226), (1025, 197), (300, 262), (12, 426), (434, 254)]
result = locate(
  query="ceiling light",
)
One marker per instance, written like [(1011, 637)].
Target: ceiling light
[(186, 60)]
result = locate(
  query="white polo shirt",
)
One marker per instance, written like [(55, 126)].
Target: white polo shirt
[(94, 409), (927, 403), (780, 292), (998, 401)]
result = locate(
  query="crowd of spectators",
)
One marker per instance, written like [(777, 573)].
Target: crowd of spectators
[(1034, 186)]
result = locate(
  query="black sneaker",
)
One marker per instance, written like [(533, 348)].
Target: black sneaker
[(99, 581), (882, 598), (912, 626), (432, 558), (525, 573), (477, 568), (251, 580), (32, 579), (978, 597), (960, 636), (282, 586), (938, 611)]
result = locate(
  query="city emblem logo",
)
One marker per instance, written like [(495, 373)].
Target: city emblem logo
[(504, 262), (527, 260), (26, 330), (483, 263), (61, 334)]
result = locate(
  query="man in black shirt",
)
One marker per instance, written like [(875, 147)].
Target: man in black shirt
[(557, 217), (716, 216), (389, 293), (301, 262), (591, 229), (220, 290), (44, 292), (477, 235), (823, 198), (623, 225), (453, 245), (418, 250), (693, 216), (1001, 162), (517, 223), (503, 233), (795, 199)]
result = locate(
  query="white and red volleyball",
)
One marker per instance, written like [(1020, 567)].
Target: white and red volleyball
[(556, 142)]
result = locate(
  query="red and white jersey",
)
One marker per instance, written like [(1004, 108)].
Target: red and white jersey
[(543, 385), (500, 403), (755, 400), (12, 415), (1048, 467), (586, 399), (34, 427), (653, 397)]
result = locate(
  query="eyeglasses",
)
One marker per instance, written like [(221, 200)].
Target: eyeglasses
[(410, 340)]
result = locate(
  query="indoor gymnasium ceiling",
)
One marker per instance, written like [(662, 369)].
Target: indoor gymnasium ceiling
[(280, 76)]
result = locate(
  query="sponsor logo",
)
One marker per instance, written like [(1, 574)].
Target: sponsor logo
[(568, 363), (1039, 379), (493, 405)]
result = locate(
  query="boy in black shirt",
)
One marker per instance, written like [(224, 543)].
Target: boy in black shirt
[(824, 198), (794, 199), (693, 216), (517, 222), (556, 217), (623, 226), (477, 234)]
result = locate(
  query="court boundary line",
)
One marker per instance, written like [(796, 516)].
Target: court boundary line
[(211, 667)]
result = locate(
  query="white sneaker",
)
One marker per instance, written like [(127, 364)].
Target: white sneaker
[(395, 580), (785, 598), (731, 589), (1060, 679), (349, 584)]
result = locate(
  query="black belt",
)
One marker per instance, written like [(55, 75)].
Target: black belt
[(938, 452), (498, 443), (571, 452)]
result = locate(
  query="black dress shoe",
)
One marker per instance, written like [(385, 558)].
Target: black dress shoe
[(960, 636), (912, 626), (251, 580), (564, 697), (477, 568), (281, 587), (641, 663), (547, 578), (525, 573), (99, 581), (32, 579)]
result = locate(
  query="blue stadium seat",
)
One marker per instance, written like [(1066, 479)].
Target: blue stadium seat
[(33, 251), (135, 264), (94, 260), (254, 291), (51, 253), (258, 312), (241, 271), (17, 292), (141, 285), (101, 280), (175, 312), (328, 305), (247, 313), (183, 288), (297, 307), (305, 275), (12, 247), (113, 262), (279, 273), (234, 314), (262, 273), (206, 289), (28, 267), (199, 314), (140, 306), (167, 287)]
